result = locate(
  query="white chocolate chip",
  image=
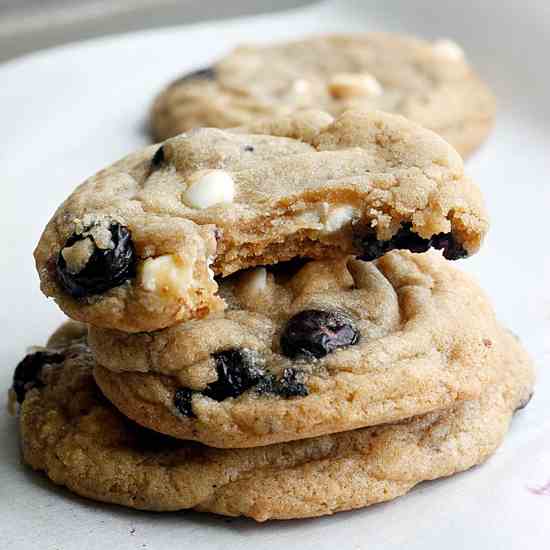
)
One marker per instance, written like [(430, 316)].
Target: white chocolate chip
[(336, 217), (76, 256), (209, 187), (169, 274), (301, 86), (299, 93), (447, 49), (257, 280), (347, 85)]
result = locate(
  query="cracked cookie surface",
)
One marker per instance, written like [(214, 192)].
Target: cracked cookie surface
[(305, 350), (73, 434), (136, 247), (428, 82)]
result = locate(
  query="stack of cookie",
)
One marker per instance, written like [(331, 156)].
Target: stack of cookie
[(267, 319)]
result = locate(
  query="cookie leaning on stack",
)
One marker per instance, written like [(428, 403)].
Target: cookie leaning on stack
[(135, 247), (333, 381)]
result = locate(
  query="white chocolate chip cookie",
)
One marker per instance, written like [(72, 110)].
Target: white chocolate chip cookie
[(428, 82), (136, 246)]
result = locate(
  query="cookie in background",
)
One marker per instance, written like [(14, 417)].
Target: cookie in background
[(430, 83)]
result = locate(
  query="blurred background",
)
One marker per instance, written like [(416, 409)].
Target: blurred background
[(29, 25)]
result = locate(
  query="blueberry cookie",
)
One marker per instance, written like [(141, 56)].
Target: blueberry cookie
[(137, 246), (330, 346), (69, 431), (428, 82)]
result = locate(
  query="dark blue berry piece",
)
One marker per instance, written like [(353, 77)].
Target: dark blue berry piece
[(237, 372), (524, 402), (182, 401), (249, 148), (405, 239), (105, 269), (266, 385), (291, 384), (27, 373), (207, 73), (452, 249), (371, 248), (313, 333), (158, 158)]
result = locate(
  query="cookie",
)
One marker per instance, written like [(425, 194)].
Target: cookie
[(428, 82), (69, 431), (331, 346), (136, 246)]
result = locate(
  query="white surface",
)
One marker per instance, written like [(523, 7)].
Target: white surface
[(68, 112)]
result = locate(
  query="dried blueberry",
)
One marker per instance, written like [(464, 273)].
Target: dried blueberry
[(105, 268), (28, 371), (405, 239), (183, 401), (249, 148), (266, 385), (524, 402), (452, 249), (158, 158), (313, 333), (237, 371), (207, 73), (291, 384), (371, 248)]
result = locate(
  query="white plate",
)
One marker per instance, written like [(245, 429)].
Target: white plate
[(67, 112)]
